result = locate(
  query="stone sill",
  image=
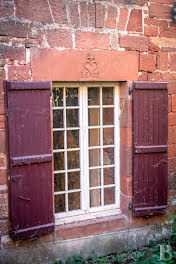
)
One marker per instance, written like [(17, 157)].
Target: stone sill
[(91, 227)]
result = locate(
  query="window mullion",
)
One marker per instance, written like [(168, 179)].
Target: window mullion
[(101, 145), (84, 146), (81, 147), (117, 145), (65, 151)]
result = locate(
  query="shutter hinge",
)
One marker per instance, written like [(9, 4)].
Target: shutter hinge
[(131, 89), (130, 206)]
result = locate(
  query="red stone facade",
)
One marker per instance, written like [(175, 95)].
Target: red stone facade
[(141, 29)]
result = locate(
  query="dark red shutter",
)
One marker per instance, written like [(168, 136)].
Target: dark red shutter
[(30, 158), (150, 129)]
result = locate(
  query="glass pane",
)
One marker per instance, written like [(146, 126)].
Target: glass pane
[(94, 157), (72, 117), (94, 137), (94, 116), (109, 195), (72, 96), (58, 119), (59, 182), (57, 96), (74, 201), (58, 139), (108, 176), (72, 138), (73, 180), (108, 136), (94, 177), (59, 161), (108, 96), (73, 159), (94, 96), (59, 203), (95, 197), (108, 156), (108, 116)]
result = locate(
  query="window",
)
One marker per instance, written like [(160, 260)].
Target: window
[(85, 148), (86, 152)]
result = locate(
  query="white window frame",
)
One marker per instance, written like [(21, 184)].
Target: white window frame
[(89, 213)]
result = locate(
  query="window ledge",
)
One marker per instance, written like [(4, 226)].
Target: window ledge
[(91, 227)]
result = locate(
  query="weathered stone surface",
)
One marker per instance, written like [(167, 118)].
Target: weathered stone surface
[(10, 27), (131, 2), (111, 18), (134, 42), (4, 227), (126, 137), (171, 87), (160, 11), (12, 52), (6, 9), (18, 73), (91, 40), (168, 32), (126, 185), (3, 176), (100, 16), (143, 77), (174, 135), (172, 119), (135, 21), (154, 77), (3, 206), (122, 18), (162, 61), (170, 2), (58, 38), (147, 62), (167, 76), (91, 12), (172, 66), (125, 165), (3, 149), (151, 31), (93, 227), (74, 15), (101, 244), (173, 102), (59, 11), (163, 42), (171, 151), (2, 122), (114, 38), (37, 10), (84, 14)]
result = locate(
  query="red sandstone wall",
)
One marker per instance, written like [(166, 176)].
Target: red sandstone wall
[(136, 25)]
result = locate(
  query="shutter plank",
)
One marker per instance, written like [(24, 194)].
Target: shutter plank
[(27, 160), (30, 159), (150, 125), (150, 149)]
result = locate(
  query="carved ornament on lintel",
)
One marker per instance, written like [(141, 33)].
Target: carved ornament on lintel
[(90, 68)]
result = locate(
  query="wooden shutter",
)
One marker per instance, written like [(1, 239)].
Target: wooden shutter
[(150, 129), (30, 158)]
